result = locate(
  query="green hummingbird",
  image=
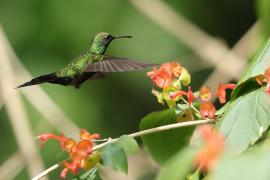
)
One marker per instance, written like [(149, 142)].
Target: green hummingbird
[(90, 65)]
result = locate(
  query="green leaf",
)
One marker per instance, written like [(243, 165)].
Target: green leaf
[(245, 120), (180, 108), (251, 165), (93, 160), (129, 144), (183, 112), (115, 157), (91, 174), (257, 66), (165, 144), (179, 166)]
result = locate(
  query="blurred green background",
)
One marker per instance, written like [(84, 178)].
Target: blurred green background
[(47, 34)]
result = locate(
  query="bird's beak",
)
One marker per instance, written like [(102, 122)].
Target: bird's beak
[(116, 37)]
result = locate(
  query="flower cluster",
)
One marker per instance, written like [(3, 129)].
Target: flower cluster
[(207, 109), (171, 77), (213, 146), (265, 78), (78, 151)]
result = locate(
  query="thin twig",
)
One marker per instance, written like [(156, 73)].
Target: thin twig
[(44, 104), (191, 105), (134, 135), (210, 49), (12, 166), (47, 171), (244, 49)]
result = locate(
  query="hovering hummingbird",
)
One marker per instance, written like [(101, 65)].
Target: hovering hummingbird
[(89, 65)]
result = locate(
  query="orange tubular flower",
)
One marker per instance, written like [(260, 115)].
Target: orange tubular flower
[(85, 135), (163, 77), (176, 69), (78, 151), (221, 91), (65, 143), (207, 110), (268, 88), (213, 146), (45, 137), (260, 79), (176, 94), (190, 96), (205, 93), (73, 167), (267, 77)]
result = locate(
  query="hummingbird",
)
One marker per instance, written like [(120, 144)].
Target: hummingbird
[(90, 65)]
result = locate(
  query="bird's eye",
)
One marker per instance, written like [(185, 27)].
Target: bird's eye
[(109, 38)]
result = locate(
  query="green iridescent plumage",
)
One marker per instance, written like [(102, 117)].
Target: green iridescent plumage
[(90, 64)]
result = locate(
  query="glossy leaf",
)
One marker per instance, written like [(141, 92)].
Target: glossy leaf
[(257, 66), (245, 120), (93, 160), (129, 144), (183, 112), (115, 157), (163, 145), (251, 165)]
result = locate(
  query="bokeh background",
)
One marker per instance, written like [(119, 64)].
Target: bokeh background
[(47, 34)]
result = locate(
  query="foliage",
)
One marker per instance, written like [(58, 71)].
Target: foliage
[(213, 152), (243, 121), (70, 25), (163, 145), (114, 156)]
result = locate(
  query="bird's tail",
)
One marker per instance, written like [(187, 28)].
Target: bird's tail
[(39, 80)]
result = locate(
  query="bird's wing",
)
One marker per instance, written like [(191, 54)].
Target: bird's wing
[(116, 64)]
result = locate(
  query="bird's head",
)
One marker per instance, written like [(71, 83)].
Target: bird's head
[(101, 41)]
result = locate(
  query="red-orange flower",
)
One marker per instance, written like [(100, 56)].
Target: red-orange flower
[(267, 74), (78, 151), (267, 77), (190, 96), (260, 79), (264, 78), (176, 69), (207, 110), (73, 167), (175, 94), (85, 135), (161, 77), (213, 146), (205, 93), (164, 76), (221, 91), (65, 143)]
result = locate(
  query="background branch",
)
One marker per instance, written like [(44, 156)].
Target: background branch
[(17, 115)]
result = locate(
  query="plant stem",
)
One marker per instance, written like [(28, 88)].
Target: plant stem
[(47, 171), (191, 105), (158, 129), (133, 135)]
